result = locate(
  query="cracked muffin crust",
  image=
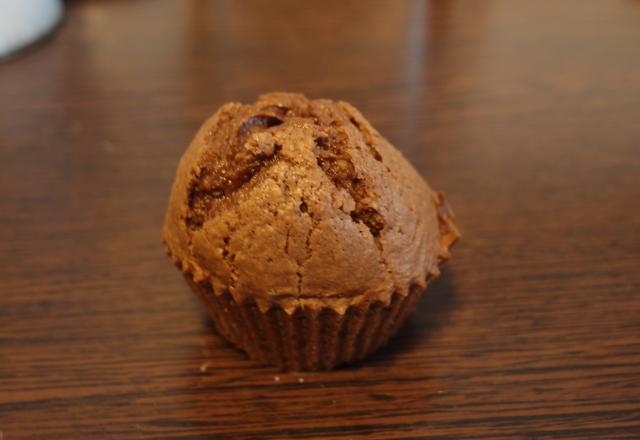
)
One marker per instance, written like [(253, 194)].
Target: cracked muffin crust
[(289, 208)]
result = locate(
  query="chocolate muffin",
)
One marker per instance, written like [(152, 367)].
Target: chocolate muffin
[(306, 234)]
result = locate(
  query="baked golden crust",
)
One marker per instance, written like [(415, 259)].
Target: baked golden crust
[(302, 203)]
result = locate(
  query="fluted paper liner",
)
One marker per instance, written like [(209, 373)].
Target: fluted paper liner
[(306, 338)]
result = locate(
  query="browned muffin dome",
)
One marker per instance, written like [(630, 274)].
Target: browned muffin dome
[(292, 202)]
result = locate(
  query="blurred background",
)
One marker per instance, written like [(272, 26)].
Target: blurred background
[(495, 96)]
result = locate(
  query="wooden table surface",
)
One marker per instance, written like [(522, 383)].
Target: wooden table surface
[(527, 114)]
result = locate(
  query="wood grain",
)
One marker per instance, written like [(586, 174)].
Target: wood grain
[(527, 114)]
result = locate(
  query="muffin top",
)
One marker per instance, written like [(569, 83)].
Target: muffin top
[(302, 202)]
